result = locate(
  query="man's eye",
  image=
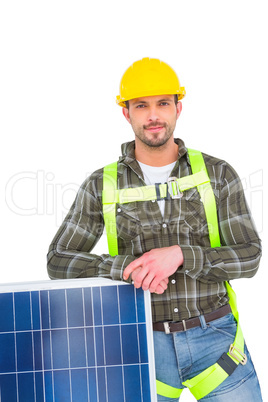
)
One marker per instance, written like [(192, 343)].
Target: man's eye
[(140, 106), (164, 104)]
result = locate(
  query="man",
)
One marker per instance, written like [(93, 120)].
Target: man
[(164, 244)]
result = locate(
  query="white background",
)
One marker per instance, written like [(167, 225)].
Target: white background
[(61, 64)]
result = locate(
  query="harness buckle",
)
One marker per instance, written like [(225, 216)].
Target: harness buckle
[(170, 182), (239, 355)]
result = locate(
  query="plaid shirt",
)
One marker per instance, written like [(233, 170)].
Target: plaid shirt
[(198, 286)]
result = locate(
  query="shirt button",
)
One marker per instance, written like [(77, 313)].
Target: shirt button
[(119, 210), (164, 225), (176, 310), (173, 281)]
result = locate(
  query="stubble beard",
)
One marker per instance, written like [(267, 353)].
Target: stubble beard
[(154, 140)]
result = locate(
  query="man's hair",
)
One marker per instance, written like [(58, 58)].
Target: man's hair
[(175, 100)]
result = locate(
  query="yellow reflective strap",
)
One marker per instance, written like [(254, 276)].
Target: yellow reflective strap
[(205, 382), (167, 391), (239, 342), (207, 197), (109, 212), (193, 180), (127, 195), (232, 300), (148, 193)]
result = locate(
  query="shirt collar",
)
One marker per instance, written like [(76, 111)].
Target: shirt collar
[(128, 150)]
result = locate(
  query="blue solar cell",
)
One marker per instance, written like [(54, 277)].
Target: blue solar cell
[(145, 379), (25, 387), (110, 306), (98, 341), (8, 388), (57, 314), (39, 386), (88, 307), (102, 390), (115, 384), (37, 349), (143, 349), (77, 347), (93, 388), (35, 310), (24, 354), (7, 353), (22, 311), (130, 344), (132, 379), (97, 314), (90, 347), (79, 385), (59, 346), (46, 352), (75, 310), (127, 304), (44, 309), (61, 385), (6, 316), (112, 345), (75, 343), (48, 385)]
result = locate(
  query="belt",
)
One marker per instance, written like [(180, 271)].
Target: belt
[(184, 325)]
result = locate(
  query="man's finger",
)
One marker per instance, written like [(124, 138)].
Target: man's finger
[(146, 280), (140, 277), (160, 289), (156, 282), (131, 267)]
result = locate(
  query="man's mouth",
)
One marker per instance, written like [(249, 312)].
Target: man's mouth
[(154, 128)]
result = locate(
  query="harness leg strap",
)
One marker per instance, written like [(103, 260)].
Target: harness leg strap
[(167, 391)]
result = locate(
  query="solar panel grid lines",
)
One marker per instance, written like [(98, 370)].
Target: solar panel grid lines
[(42, 349), (76, 340)]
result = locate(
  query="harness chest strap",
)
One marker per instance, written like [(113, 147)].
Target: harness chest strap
[(213, 376), (173, 189)]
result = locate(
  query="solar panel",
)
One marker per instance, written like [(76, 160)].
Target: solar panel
[(74, 341)]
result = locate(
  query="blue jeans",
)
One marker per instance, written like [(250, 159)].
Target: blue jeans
[(182, 355)]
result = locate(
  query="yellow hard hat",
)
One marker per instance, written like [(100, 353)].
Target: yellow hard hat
[(149, 77)]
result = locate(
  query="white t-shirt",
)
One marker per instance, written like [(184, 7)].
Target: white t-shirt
[(153, 174)]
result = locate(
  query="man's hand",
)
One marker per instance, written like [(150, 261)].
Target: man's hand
[(152, 270), (159, 289)]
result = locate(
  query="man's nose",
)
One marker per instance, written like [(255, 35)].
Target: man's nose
[(153, 114)]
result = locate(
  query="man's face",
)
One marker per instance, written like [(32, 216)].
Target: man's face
[(153, 118)]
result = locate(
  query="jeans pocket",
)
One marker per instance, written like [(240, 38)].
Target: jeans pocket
[(226, 325)]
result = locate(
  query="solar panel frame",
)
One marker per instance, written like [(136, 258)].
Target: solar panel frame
[(59, 337)]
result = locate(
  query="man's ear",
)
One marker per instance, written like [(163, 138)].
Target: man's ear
[(179, 109), (126, 113)]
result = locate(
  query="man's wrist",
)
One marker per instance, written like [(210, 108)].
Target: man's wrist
[(180, 256)]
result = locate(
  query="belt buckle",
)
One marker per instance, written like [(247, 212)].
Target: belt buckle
[(166, 327), (170, 181)]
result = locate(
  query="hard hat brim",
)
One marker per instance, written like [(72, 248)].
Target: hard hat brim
[(181, 94)]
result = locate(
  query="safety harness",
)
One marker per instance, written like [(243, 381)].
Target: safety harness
[(209, 379)]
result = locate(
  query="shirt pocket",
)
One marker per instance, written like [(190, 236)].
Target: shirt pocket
[(195, 217), (127, 221)]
